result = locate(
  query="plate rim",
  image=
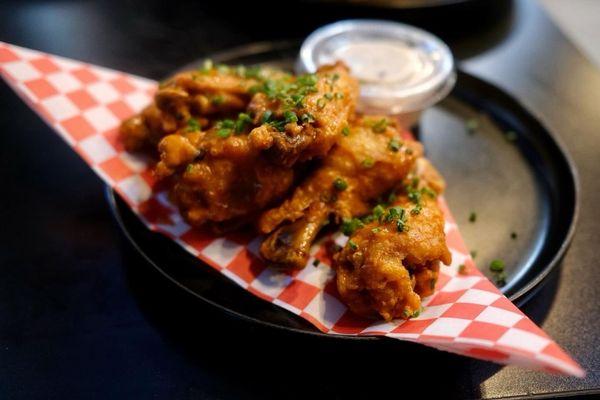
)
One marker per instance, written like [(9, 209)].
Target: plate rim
[(520, 297)]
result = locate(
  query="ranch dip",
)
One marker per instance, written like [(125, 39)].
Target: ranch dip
[(402, 69)]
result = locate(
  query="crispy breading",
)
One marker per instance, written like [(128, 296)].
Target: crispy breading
[(389, 264)]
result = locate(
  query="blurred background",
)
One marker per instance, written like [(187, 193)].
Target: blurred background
[(185, 30)]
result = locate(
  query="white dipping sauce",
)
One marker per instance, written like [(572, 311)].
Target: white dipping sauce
[(385, 62), (402, 69)]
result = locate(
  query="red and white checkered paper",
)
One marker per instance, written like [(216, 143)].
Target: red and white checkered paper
[(467, 314)]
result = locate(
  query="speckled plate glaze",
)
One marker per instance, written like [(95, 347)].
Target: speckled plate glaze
[(510, 172)]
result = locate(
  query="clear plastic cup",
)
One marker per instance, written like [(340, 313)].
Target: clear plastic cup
[(402, 69)]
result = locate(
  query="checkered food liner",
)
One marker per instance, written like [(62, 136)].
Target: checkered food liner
[(467, 314)]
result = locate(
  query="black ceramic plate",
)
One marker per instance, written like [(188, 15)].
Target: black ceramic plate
[(526, 186)]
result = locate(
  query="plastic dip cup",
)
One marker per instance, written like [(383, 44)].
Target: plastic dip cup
[(402, 69)]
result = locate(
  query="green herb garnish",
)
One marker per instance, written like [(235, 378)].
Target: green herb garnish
[(350, 225), (266, 116), (352, 245), (307, 118), (193, 125), (368, 162), (394, 145), (242, 121), (345, 130), (340, 184), (472, 125), (472, 217), (217, 100), (290, 116), (497, 266), (207, 66), (416, 209), (378, 212), (380, 126), (225, 128), (223, 133)]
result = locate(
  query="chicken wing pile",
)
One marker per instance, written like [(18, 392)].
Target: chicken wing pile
[(288, 154)]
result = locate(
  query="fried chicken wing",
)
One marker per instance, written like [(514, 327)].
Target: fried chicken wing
[(324, 101), (389, 264), (296, 118), (369, 161), (225, 171), (200, 94)]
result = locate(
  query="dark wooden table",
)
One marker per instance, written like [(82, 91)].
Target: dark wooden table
[(82, 316)]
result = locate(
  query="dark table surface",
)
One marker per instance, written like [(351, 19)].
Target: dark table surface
[(83, 316)]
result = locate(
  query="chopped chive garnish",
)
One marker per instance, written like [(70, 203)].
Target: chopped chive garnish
[(340, 184), (392, 197), (307, 79), (193, 125), (207, 65), (339, 95), (500, 279), (378, 211), (380, 126), (298, 100), (497, 266), (414, 196), (217, 100), (472, 125), (307, 117), (429, 192), (290, 116), (279, 125), (226, 123), (223, 69), (394, 145), (329, 96), (416, 210), (368, 162), (321, 103), (472, 217), (352, 245), (266, 116), (345, 130), (400, 225), (189, 168), (376, 229), (350, 225), (223, 132), (242, 121)]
